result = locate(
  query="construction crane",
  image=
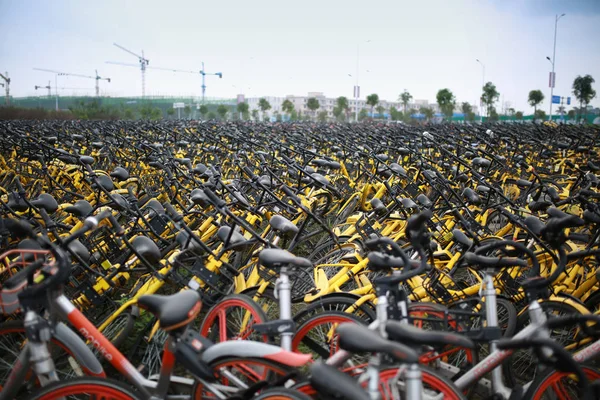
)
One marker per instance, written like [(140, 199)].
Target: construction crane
[(202, 72), (97, 78), (6, 87), (45, 87), (143, 64)]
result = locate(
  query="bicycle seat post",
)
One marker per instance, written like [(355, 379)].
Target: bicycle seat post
[(283, 290)]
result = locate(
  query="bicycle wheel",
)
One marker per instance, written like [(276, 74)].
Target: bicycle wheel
[(12, 340), (559, 385), (238, 374), (521, 366), (433, 384), (317, 336), (232, 319), (281, 394), (337, 302), (85, 388)]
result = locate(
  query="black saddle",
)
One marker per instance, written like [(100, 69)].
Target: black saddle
[(46, 202), (277, 258), (174, 312), (120, 174), (81, 209), (237, 241), (146, 248), (283, 225), (412, 336)]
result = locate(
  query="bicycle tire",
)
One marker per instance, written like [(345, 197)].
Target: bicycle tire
[(337, 302), (523, 375), (543, 384), (281, 394), (103, 387), (273, 371), (221, 313), (302, 342)]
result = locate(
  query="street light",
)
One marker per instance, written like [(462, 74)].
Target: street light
[(552, 61), (356, 90), (482, 84)]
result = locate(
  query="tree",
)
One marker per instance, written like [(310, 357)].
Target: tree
[(395, 114), (489, 96), (170, 112), (264, 105), (203, 110), (511, 112), (222, 110), (372, 100), (342, 104), (428, 113), (187, 110), (466, 109), (338, 113), (446, 101), (582, 89), (539, 114), (211, 115), (362, 114), (293, 115), (470, 116), (493, 114), (255, 115), (287, 107), (380, 111), (571, 114), (536, 97), (313, 104), (242, 109), (405, 98), (322, 117), (519, 115)]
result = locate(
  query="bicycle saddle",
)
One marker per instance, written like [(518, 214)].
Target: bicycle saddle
[(408, 203), (283, 225), (106, 183), (378, 206), (471, 196), (265, 180), (319, 162), (145, 247), (28, 244), (200, 169), (424, 200), (237, 241), (397, 169), (357, 338), (174, 312), (333, 383), (120, 174), (592, 166), (198, 197), (383, 157), (16, 203), (46, 202), (81, 209), (591, 216), (334, 165), (379, 261), (523, 183), (480, 162), (87, 160), (277, 258), (534, 224), (412, 336), (76, 247), (186, 243), (462, 238), (320, 179), (536, 206), (483, 189)]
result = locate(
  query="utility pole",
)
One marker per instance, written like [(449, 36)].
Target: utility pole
[(6, 87), (482, 85), (553, 61)]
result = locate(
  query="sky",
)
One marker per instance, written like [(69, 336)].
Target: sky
[(277, 48)]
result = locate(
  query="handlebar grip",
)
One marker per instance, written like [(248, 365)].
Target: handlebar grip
[(21, 228), (290, 193), (484, 261), (119, 231), (172, 212), (417, 221), (217, 202), (569, 164), (17, 278), (19, 185)]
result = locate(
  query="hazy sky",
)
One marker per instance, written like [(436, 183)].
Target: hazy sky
[(277, 48)]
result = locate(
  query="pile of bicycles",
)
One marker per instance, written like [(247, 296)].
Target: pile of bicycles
[(187, 260)]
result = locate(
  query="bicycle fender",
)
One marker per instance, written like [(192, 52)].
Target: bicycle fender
[(565, 300), (82, 354), (249, 349)]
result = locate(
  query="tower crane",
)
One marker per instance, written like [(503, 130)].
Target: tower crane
[(6, 86), (143, 64), (97, 78), (45, 87), (201, 72)]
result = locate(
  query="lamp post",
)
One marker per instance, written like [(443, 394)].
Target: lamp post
[(482, 84), (356, 88), (552, 61)]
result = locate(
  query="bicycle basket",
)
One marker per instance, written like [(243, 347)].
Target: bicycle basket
[(10, 263), (301, 280), (103, 247)]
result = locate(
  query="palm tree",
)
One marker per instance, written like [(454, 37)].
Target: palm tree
[(222, 110), (313, 105), (571, 114), (380, 111), (264, 105), (489, 96), (372, 100), (582, 89), (405, 98), (466, 109), (287, 107), (428, 113), (446, 101), (342, 104), (255, 115), (536, 97), (519, 115), (511, 112)]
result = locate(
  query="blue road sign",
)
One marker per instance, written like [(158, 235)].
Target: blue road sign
[(555, 99), (568, 101)]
